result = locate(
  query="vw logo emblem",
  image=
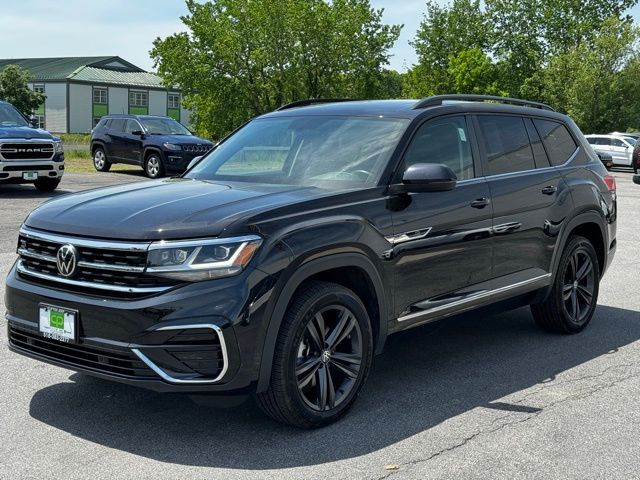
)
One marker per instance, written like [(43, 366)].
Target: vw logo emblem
[(66, 260)]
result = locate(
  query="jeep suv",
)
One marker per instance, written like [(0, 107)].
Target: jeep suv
[(160, 145), (28, 154), (279, 263)]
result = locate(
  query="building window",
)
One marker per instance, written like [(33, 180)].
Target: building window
[(173, 100), (38, 88), (138, 99), (40, 121), (100, 96)]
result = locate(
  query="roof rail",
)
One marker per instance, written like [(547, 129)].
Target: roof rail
[(312, 101), (440, 99)]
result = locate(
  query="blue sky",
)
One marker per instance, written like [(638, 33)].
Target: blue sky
[(46, 28)]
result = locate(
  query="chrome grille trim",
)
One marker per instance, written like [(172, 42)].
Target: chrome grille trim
[(101, 266), (85, 242), (10, 147), (114, 288)]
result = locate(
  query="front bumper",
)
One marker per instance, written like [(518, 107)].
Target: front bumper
[(191, 339), (11, 171), (178, 161)]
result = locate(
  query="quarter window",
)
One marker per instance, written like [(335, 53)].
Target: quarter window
[(506, 144), (138, 99), (557, 140), (444, 141)]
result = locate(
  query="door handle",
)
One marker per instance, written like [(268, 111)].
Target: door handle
[(549, 190), (480, 202)]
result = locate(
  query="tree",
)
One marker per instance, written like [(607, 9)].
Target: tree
[(241, 58), (14, 89), (471, 71)]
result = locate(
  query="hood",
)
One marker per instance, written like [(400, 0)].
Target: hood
[(25, 133), (165, 209), (183, 139)]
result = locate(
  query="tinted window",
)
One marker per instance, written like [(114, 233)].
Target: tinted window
[(506, 144), (557, 140), (117, 124), (617, 143), (132, 126), (602, 141), (443, 141), (591, 140)]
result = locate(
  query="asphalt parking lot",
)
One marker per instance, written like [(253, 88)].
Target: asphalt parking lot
[(486, 396)]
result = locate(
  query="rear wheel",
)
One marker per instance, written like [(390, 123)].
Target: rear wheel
[(322, 358), (153, 166), (574, 294), (100, 162), (47, 184)]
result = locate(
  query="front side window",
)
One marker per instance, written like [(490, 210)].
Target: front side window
[(444, 141), (506, 144), (557, 140), (164, 126), (132, 126), (615, 142), (324, 151), (138, 99)]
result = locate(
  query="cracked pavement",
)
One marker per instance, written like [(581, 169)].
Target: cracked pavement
[(477, 396)]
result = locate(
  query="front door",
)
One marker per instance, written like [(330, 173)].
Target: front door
[(442, 245)]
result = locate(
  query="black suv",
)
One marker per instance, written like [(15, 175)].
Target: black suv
[(160, 145), (279, 264)]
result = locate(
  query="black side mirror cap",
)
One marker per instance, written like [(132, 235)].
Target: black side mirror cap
[(426, 177), (137, 133)]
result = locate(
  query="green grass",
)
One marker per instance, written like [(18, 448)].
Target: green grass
[(75, 138), (84, 164)]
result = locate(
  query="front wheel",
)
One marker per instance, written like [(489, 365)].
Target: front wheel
[(46, 184), (322, 357), (100, 162), (153, 166), (574, 294)]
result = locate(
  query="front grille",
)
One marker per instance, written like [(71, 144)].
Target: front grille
[(103, 270), (27, 151), (199, 149), (20, 168), (115, 362)]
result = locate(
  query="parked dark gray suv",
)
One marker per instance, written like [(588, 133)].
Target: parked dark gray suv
[(279, 264)]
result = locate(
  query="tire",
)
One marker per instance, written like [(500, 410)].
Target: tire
[(46, 184), (301, 366), (574, 294), (100, 162), (153, 166)]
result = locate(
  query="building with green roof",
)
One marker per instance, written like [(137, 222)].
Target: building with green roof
[(80, 90)]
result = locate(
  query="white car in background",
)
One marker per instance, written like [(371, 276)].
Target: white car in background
[(620, 148)]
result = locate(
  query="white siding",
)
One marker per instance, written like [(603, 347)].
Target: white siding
[(118, 100), (80, 105), (55, 107), (157, 102)]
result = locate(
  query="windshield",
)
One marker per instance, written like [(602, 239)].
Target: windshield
[(9, 117), (164, 126), (320, 150)]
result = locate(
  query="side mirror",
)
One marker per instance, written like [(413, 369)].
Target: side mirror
[(33, 120), (193, 161), (137, 133), (636, 179), (427, 177)]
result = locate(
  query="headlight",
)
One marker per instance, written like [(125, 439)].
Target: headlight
[(171, 146), (58, 147), (197, 260)]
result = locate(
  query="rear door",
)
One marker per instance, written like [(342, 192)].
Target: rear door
[(441, 240), (114, 134), (530, 199), (621, 152), (132, 144)]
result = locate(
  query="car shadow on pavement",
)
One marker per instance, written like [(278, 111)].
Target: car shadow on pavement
[(425, 376), (29, 192)]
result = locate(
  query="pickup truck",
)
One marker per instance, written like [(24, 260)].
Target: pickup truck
[(28, 154)]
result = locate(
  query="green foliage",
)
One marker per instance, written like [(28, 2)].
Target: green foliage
[(241, 58), (15, 90), (75, 138)]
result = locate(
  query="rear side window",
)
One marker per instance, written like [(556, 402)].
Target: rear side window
[(601, 141), (557, 140), (506, 144), (446, 141), (117, 124)]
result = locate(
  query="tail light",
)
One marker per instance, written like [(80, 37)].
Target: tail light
[(610, 180)]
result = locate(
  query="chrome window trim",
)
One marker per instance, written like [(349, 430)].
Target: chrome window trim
[(478, 296), (94, 285), (84, 242), (168, 378)]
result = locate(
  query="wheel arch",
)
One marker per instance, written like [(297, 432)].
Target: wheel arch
[(97, 143), (352, 270), (149, 150)]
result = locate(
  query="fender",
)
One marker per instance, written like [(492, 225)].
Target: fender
[(146, 150), (95, 143), (303, 272)]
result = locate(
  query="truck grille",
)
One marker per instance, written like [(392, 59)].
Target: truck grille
[(27, 151), (198, 149), (101, 267), (115, 362)]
